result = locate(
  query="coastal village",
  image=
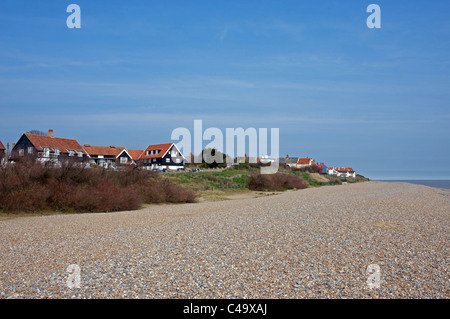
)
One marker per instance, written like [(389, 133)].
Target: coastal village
[(158, 157)]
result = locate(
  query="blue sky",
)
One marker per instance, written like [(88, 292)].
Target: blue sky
[(344, 94)]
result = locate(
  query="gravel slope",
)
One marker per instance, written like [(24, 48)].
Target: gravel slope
[(313, 243)]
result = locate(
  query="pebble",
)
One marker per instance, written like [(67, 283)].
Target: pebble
[(312, 243)]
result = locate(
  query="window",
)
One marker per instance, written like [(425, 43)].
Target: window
[(70, 153), (30, 150), (123, 160), (154, 160), (46, 152), (80, 153), (56, 151), (167, 160), (21, 152)]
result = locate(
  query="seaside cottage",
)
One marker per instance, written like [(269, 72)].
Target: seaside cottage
[(346, 172), (288, 160), (107, 156), (303, 162), (162, 157), (134, 156), (323, 168), (342, 172), (48, 148)]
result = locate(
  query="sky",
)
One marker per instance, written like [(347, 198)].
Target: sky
[(344, 94)]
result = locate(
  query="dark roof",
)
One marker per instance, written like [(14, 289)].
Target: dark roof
[(290, 160), (2, 147)]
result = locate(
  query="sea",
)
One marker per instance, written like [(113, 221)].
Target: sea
[(432, 183)]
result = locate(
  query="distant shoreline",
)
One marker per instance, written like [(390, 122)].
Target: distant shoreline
[(431, 183)]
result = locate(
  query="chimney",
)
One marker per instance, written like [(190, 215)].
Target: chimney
[(50, 133), (287, 156)]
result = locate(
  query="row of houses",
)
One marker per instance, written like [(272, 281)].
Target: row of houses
[(155, 157), (48, 148), (306, 162)]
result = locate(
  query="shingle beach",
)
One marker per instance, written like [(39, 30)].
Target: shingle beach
[(312, 243)]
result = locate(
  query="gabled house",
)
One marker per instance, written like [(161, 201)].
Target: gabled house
[(342, 171), (3, 156), (48, 148), (135, 155), (288, 160), (162, 157), (107, 156), (323, 168), (302, 162)]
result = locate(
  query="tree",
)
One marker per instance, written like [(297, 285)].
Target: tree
[(212, 158), (37, 132)]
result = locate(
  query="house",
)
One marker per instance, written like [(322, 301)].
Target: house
[(107, 156), (3, 157), (342, 172), (48, 148), (346, 172), (302, 162), (332, 171), (161, 157), (323, 168), (288, 160), (135, 156)]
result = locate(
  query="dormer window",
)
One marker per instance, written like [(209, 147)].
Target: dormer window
[(71, 152), (56, 150)]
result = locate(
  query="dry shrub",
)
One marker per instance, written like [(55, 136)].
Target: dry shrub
[(29, 186), (275, 182), (309, 169)]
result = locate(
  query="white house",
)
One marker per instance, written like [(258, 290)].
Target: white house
[(342, 172)]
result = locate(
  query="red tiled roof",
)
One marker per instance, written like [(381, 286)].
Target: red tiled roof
[(162, 147), (135, 154), (103, 150), (64, 144), (304, 161), (2, 147), (345, 169), (342, 169)]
